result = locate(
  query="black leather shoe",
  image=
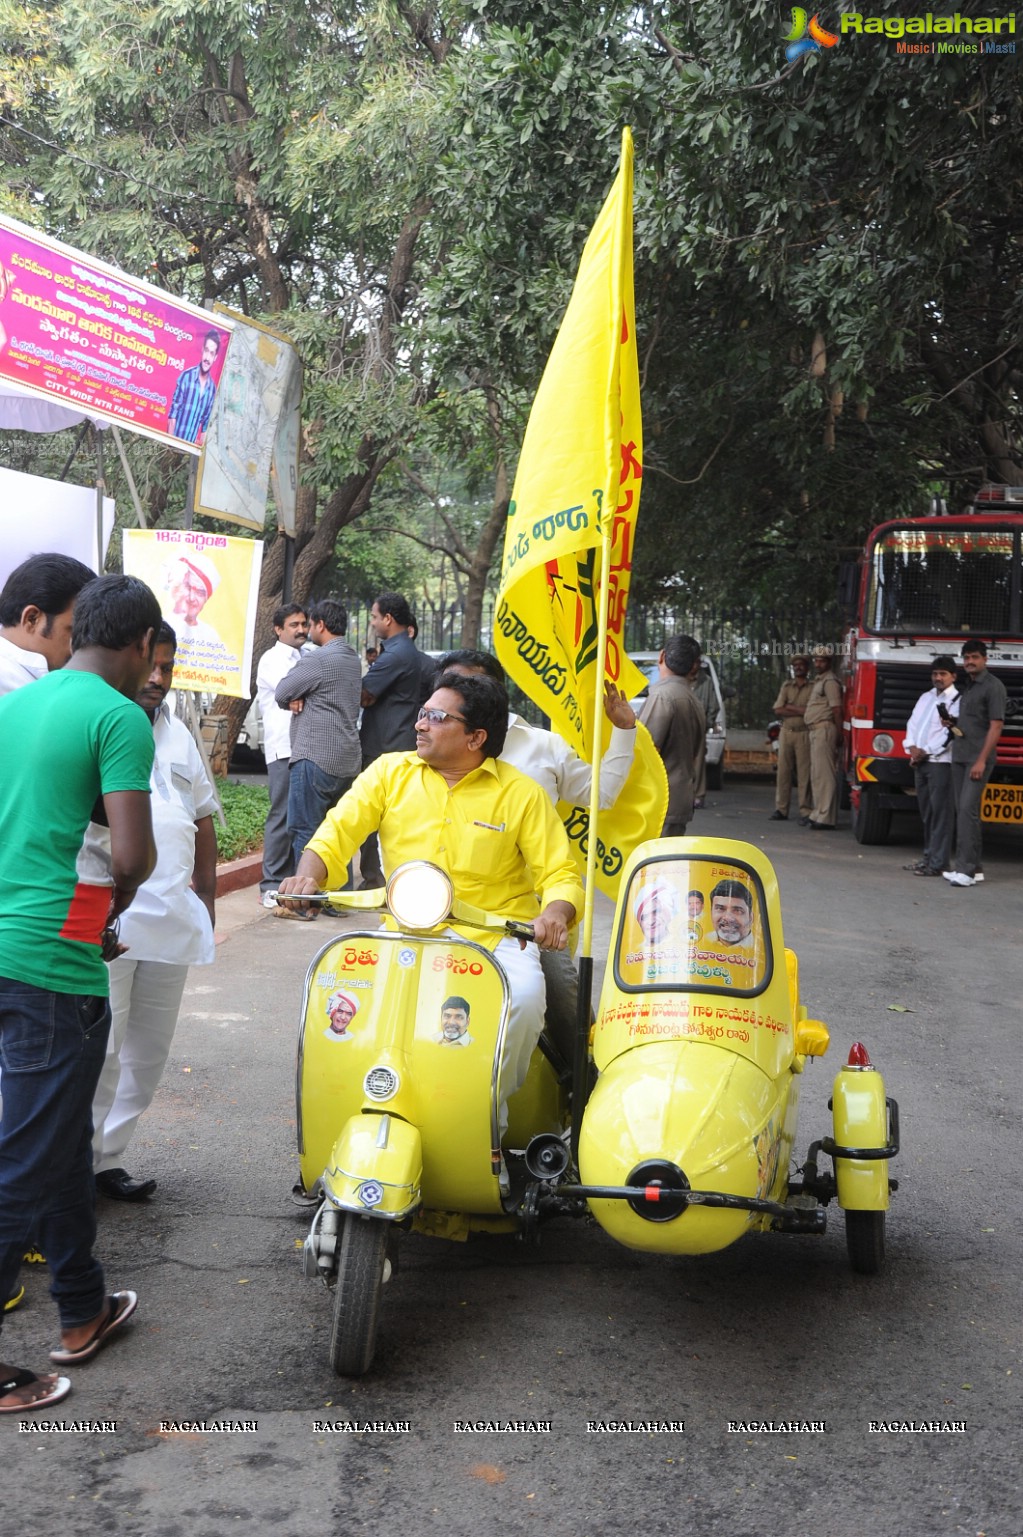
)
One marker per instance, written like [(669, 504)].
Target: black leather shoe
[(822, 827), (805, 822), (777, 816), (119, 1186)]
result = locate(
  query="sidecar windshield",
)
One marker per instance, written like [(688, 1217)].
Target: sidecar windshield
[(694, 925)]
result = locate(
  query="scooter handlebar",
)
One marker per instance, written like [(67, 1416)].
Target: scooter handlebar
[(519, 930)]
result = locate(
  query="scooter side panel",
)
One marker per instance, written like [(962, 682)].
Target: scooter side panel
[(713, 1114), (456, 1076), (354, 986), (444, 1071)]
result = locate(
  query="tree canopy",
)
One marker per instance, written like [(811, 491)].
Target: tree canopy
[(828, 251)]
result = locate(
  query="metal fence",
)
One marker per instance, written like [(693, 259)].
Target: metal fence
[(751, 647)]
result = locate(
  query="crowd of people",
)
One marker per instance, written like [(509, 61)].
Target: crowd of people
[(950, 739), (108, 870)]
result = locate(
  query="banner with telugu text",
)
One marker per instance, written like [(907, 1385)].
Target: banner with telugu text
[(578, 481), (207, 585), (76, 330)]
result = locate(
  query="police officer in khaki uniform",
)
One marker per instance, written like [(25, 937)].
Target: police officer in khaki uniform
[(793, 743), (822, 716)]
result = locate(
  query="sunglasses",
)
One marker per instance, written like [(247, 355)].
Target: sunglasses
[(438, 717)]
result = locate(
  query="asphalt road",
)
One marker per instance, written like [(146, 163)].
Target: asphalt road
[(576, 1329)]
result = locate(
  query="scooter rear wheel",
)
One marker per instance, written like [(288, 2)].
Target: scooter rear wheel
[(864, 1238), (360, 1279)]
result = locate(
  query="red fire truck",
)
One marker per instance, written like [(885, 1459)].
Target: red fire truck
[(925, 586)]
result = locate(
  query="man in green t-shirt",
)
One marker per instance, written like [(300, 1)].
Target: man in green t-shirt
[(76, 842)]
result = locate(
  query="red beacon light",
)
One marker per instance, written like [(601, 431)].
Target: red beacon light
[(1000, 494), (858, 1056)]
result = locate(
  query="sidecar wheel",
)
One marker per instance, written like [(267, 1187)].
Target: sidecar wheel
[(360, 1279), (864, 1237)]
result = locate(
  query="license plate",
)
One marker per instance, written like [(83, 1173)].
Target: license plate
[(1002, 803)]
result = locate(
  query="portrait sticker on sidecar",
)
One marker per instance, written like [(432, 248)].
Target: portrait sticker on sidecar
[(697, 924)]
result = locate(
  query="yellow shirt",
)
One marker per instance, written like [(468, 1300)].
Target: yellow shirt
[(495, 832)]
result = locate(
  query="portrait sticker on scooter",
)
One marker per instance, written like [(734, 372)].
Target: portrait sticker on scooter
[(341, 1008), (455, 1012)]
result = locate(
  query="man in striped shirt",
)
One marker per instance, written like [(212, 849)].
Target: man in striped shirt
[(193, 395)]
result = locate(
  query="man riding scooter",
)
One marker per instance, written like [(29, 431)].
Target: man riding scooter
[(490, 828)]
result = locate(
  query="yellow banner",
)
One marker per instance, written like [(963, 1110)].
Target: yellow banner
[(577, 485), (207, 585)]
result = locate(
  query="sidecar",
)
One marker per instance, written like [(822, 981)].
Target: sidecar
[(701, 1042)]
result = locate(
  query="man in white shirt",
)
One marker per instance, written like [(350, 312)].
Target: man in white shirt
[(291, 626), (168, 928), (36, 606), (549, 761), (929, 746)]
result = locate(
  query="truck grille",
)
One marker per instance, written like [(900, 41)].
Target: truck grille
[(898, 689)]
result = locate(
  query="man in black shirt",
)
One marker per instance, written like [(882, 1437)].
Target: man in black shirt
[(980, 722), (392, 692)]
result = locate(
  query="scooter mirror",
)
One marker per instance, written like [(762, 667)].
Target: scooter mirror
[(419, 895)]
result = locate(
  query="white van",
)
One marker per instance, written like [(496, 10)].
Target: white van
[(709, 692)]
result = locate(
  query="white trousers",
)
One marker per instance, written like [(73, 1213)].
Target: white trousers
[(525, 1021), (145, 997)]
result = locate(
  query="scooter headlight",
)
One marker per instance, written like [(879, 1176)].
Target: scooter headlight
[(419, 895)]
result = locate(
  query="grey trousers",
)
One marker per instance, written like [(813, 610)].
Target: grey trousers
[(278, 856), (937, 811), (966, 793), (562, 979)]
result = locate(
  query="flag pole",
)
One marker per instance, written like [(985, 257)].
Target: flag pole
[(584, 1004), (613, 440)]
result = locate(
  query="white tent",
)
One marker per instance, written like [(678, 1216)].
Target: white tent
[(38, 514)]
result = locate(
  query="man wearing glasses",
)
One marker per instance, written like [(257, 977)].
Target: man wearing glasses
[(494, 831)]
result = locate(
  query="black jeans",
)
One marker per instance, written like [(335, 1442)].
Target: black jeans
[(52, 1047)]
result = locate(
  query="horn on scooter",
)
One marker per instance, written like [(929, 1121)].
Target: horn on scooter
[(546, 1156)]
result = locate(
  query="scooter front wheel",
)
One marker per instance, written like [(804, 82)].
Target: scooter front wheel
[(864, 1237), (360, 1280)]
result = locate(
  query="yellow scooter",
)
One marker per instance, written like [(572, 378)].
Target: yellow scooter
[(701, 1043), (399, 1095)]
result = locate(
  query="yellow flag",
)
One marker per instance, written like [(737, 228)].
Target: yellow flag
[(577, 486)]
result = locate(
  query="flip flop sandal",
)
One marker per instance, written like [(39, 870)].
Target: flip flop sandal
[(33, 1257), (12, 1302), (24, 1379), (122, 1306)]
